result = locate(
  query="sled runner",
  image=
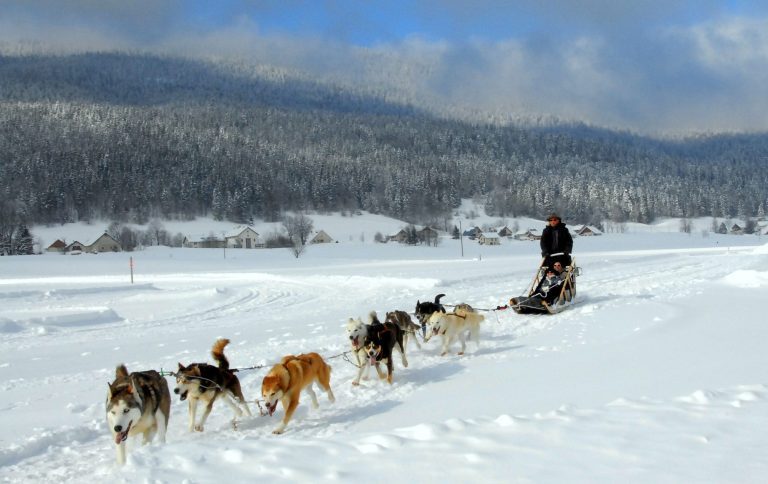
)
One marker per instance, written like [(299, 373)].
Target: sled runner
[(530, 303)]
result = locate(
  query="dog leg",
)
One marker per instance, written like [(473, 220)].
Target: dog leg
[(463, 341), (148, 435), (446, 343), (312, 395), (240, 399), (233, 401), (246, 409), (363, 367), (414, 336), (389, 370), (120, 448), (289, 409), (324, 381), (400, 345), (208, 408), (192, 413), (382, 375), (330, 393), (162, 426)]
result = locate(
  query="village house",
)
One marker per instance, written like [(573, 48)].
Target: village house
[(506, 232), (428, 235), (321, 237), (57, 246), (472, 233), (104, 243), (588, 231), (243, 237), (737, 230), (401, 236), (488, 238), (209, 241), (530, 234)]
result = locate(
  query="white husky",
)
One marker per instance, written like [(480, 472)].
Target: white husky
[(137, 403), (451, 326)]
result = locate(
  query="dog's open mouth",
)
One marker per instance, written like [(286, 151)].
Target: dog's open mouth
[(122, 436), (355, 342), (271, 408), (183, 395)]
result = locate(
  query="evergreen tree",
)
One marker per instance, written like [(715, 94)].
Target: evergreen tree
[(22, 243)]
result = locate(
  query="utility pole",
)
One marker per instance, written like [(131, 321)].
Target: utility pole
[(461, 239)]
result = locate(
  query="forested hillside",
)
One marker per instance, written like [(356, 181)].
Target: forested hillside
[(133, 136)]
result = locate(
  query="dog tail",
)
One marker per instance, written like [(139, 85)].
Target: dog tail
[(373, 318), (437, 298), (218, 353)]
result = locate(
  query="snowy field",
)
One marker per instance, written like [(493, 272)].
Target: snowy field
[(657, 375)]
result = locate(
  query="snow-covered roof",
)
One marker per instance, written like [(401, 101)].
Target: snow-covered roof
[(239, 229)]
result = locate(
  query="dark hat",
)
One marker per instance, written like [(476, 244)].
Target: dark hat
[(553, 215), (549, 269)]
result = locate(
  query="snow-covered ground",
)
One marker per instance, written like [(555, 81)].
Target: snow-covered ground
[(657, 375)]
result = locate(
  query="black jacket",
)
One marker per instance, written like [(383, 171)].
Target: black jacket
[(556, 239)]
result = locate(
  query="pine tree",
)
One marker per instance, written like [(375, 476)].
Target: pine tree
[(22, 243)]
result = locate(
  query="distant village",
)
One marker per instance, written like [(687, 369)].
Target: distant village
[(245, 237)]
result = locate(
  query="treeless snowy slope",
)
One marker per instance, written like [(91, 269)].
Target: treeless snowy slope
[(656, 375)]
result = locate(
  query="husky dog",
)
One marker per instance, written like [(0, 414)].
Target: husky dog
[(357, 331), (451, 326), (405, 323), (285, 381), (201, 381), (137, 403), (425, 309), (382, 339)]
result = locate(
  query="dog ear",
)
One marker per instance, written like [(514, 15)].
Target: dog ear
[(181, 367), (109, 395), (132, 391), (121, 372)]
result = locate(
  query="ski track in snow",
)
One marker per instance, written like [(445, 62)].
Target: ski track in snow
[(267, 316)]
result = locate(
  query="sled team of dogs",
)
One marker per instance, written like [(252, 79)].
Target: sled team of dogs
[(140, 402)]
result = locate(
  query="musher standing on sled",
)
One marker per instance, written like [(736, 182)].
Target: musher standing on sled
[(556, 239)]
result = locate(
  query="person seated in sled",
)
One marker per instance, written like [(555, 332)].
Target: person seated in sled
[(548, 290), (558, 267), (556, 239)]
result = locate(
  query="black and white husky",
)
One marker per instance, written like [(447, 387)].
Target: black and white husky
[(208, 383), (360, 337), (137, 403)]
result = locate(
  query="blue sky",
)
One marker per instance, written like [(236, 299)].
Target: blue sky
[(659, 66)]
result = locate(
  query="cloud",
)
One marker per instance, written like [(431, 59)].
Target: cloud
[(655, 66)]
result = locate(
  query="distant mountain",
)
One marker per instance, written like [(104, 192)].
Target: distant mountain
[(133, 136)]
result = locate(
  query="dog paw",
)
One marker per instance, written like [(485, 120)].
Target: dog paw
[(356, 383), (278, 431), (443, 353), (460, 353), (198, 428)]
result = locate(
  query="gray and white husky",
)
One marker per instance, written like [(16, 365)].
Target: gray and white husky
[(137, 403)]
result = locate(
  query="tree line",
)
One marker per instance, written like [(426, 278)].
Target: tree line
[(136, 137)]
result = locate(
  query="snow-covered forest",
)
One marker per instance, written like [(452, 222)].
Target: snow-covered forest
[(135, 136)]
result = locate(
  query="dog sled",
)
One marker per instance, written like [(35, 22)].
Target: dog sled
[(532, 303)]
